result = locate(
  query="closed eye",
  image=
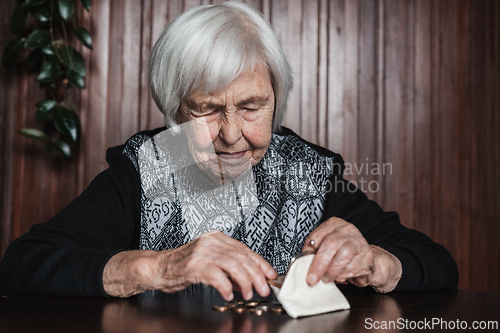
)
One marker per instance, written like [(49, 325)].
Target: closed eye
[(205, 113)]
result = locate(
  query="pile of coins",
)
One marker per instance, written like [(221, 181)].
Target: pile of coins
[(257, 307)]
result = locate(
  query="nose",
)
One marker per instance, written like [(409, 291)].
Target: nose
[(230, 130)]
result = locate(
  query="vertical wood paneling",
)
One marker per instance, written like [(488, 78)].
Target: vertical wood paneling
[(478, 140), (436, 123), (97, 83), (292, 41), (350, 85), (494, 226), (336, 59), (380, 139), (116, 78), (30, 157), (455, 131), (423, 117), (483, 147), (162, 12), (309, 69), (188, 4), (322, 95), (266, 9), (132, 69), (145, 47), (399, 109), (7, 121), (412, 83), (367, 87), (82, 108), (257, 4)]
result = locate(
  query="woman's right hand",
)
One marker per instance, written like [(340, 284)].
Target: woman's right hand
[(214, 259)]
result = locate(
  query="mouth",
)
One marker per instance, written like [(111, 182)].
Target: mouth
[(231, 156)]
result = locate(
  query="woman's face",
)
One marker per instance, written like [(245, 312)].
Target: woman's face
[(230, 130)]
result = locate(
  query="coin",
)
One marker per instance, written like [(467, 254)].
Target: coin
[(263, 308), (251, 303), (238, 309), (276, 309), (234, 304), (274, 283), (258, 312), (220, 308)]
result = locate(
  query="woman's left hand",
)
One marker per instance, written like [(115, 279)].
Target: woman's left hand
[(343, 254)]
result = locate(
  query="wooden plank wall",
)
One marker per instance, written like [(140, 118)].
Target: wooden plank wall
[(412, 86)]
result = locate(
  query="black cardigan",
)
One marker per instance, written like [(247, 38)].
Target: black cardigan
[(67, 255)]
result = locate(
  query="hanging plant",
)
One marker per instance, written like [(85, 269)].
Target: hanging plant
[(59, 65)]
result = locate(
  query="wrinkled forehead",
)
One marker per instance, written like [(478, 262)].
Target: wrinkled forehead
[(218, 73), (253, 83)]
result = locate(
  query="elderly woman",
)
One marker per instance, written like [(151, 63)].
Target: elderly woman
[(223, 195)]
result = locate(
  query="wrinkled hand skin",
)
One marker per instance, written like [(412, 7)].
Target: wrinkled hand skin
[(213, 259), (343, 255)]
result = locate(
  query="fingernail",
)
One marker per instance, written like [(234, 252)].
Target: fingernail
[(312, 279), (231, 296), (324, 279), (249, 295), (265, 288)]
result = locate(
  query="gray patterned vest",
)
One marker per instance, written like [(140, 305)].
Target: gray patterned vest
[(272, 211)]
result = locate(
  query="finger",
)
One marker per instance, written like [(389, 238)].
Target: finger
[(323, 258), (316, 236), (210, 260), (361, 265), (259, 280), (266, 268), (258, 268), (245, 268), (342, 258), (220, 281), (360, 281), (238, 273)]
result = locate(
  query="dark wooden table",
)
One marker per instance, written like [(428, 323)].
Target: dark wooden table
[(191, 311)]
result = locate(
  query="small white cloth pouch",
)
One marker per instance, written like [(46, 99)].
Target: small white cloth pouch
[(299, 299)]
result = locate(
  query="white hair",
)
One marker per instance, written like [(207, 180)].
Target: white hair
[(209, 47)]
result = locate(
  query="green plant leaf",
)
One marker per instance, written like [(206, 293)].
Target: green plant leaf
[(49, 71), (62, 149), (33, 133), (38, 38), (41, 13), (11, 52), (73, 59), (36, 2), (44, 110), (66, 8), (83, 36), (18, 19), (33, 58), (75, 79), (67, 122), (86, 4), (48, 49)]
